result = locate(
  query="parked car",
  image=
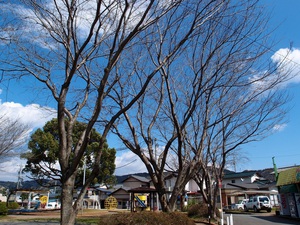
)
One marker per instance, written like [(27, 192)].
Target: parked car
[(240, 205), (258, 203), (53, 205)]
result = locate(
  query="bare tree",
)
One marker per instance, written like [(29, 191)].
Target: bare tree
[(148, 69), (245, 105), (217, 95), (230, 127), (13, 136), (85, 54)]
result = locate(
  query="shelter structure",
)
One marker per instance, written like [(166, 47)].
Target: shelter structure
[(143, 198)]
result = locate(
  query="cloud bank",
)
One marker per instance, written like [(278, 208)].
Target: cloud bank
[(35, 116)]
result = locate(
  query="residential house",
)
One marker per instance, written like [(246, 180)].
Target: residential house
[(3, 198), (235, 186), (241, 185), (191, 192), (122, 194)]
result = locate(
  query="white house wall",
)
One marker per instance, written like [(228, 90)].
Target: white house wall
[(133, 183), (239, 180), (170, 183), (254, 178), (192, 186)]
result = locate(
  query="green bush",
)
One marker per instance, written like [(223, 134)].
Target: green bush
[(13, 205), (146, 218), (198, 210), (3, 208)]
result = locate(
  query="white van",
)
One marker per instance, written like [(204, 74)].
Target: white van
[(258, 203), (52, 205)]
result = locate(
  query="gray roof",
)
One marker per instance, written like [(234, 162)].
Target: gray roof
[(140, 178), (245, 173), (246, 186)]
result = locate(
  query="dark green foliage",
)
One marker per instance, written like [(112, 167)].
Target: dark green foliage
[(3, 208), (197, 210), (13, 205), (44, 153), (146, 218)]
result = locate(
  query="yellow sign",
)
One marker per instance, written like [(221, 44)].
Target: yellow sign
[(44, 199)]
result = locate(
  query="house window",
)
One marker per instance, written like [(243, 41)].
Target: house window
[(233, 181)]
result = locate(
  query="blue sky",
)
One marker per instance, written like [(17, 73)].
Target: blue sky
[(283, 144)]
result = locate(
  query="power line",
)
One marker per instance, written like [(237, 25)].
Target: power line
[(263, 157), (126, 164)]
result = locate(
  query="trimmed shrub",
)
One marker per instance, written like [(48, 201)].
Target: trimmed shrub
[(198, 210), (3, 208), (146, 218), (13, 205)]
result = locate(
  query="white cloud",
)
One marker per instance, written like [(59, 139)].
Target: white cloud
[(129, 163), (279, 127), (288, 71), (288, 61), (32, 26), (9, 169), (35, 116)]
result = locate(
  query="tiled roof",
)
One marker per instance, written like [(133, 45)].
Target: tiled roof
[(143, 179), (289, 176), (239, 174), (246, 186)]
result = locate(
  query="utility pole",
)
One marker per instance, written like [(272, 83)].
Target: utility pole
[(20, 179)]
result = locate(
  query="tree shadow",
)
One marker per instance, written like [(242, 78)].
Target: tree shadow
[(279, 219)]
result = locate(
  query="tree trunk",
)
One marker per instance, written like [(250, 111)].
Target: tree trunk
[(165, 207), (168, 204), (68, 210), (173, 202)]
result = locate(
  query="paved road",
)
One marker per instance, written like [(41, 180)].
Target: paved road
[(260, 219)]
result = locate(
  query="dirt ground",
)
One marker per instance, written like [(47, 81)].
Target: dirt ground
[(53, 214)]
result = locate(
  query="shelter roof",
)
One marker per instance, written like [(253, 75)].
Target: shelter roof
[(142, 190)]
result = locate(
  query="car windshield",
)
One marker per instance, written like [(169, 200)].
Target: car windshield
[(263, 199)]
